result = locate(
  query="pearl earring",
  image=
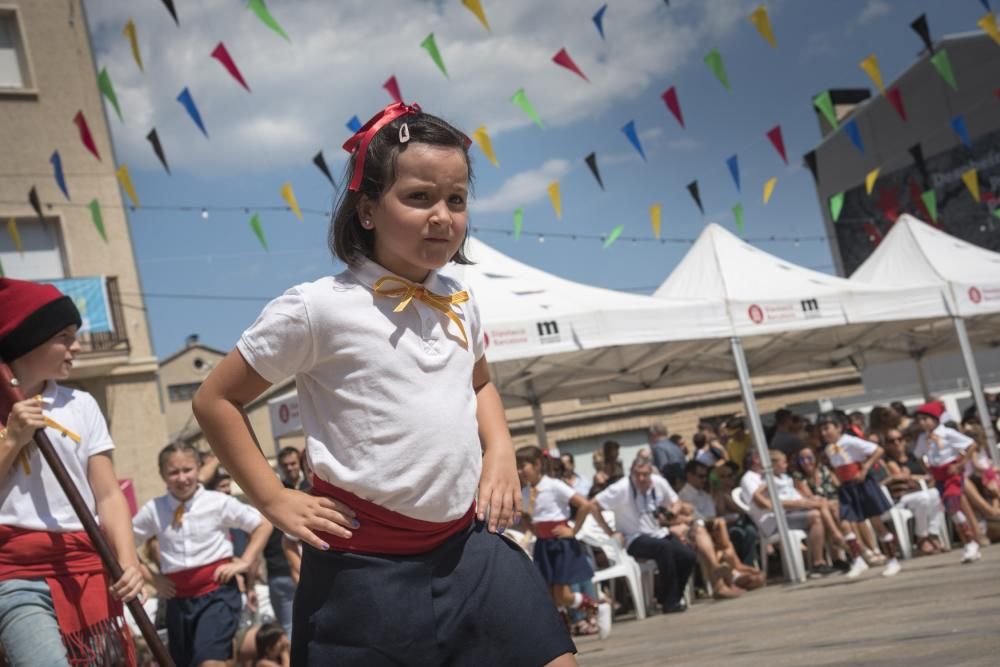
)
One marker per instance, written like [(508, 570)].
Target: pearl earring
[(367, 224)]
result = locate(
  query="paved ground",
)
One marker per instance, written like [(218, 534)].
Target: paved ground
[(935, 612)]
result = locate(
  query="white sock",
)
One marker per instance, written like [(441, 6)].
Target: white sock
[(577, 601), (960, 517)]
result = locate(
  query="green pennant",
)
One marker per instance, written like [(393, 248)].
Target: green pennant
[(996, 212), (108, 90), (943, 64), (836, 205), (258, 230), (824, 103), (432, 48), (260, 9), (518, 222), (521, 100), (714, 62), (613, 236), (98, 219), (738, 217), (930, 202), (2, 275)]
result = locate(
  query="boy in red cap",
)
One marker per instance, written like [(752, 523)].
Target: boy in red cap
[(945, 450), (57, 606)]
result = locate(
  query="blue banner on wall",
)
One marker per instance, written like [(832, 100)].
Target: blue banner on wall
[(91, 299)]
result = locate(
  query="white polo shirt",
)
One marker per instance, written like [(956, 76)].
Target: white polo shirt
[(634, 510), (203, 534), (386, 398), (36, 501), (752, 481), (551, 502), (952, 444), (703, 503), (849, 449)]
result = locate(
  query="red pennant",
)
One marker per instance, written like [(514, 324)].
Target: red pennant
[(874, 235), (896, 99), (85, 136), (222, 55), (888, 203), (774, 134), (918, 201), (393, 87), (562, 58), (670, 98), (997, 93)]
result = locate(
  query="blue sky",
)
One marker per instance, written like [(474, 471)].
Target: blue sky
[(304, 91)]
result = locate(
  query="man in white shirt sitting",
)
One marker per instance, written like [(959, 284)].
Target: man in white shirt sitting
[(639, 501), (579, 483)]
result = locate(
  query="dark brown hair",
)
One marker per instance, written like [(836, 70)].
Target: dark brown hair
[(178, 447)]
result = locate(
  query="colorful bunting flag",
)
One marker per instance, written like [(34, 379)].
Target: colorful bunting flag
[(154, 139), (476, 8), (108, 90), (518, 222), (554, 197), (85, 136), (920, 27), (769, 188), (870, 179), (591, 161), (714, 61), (260, 9), (521, 100), (824, 103), (599, 19), (655, 212), (2, 274), (562, 58), (36, 203), (873, 233), (989, 25), (870, 66), (129, 32), (633, 137), (221, 54), (482, 138), (896, 99), (670, 99), (170, 8), (986, 5), (762, 22), (354, 124), (125, 179), (943, 65), (851, 128), (774, 134), (258, 230), (958, 124), (811, 164), (430, 45), (289, 196), (971, 180), (917, 153), (836, 205), (392, 86), (188, 103), (613, 236), (57, 171), (320, 163), (738, 217), (692, 189), (97, 218), (929, 198), (15, 235), (734, 170)]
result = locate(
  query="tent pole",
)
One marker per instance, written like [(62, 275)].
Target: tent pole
[(757, 430), (976, 386), (538, 417), (925, 388)]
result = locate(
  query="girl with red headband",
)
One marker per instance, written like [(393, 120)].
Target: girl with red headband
[(413, 465), (57, 606)]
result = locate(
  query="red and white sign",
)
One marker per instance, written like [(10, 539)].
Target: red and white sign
[(756, 314), (975, 296)]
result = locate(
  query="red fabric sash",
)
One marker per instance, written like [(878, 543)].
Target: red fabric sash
[(196, 581), (89, 618), (950, 485), (847, 473), (383, 531), (545, 530)]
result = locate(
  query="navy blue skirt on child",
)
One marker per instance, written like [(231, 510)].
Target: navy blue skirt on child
[(562, 561), (861, 500)]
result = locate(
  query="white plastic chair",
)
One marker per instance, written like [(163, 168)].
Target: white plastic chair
[(797, 537), (900, 517), (621, 565), (944, 534)]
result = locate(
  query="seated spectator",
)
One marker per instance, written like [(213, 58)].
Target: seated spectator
[(740, 529), (738, 442), (612, 463), (273, 646), (708, 451), (786, 438), (982, 489), (881, 420), (637, 501), (814, 480), (668, 457), (579, 483), (903, 482)]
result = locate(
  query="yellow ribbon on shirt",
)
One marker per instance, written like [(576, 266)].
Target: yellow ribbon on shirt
[(410, 291), (178, 516), (25, 453)]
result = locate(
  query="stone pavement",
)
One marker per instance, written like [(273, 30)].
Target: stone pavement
[(935, 612)]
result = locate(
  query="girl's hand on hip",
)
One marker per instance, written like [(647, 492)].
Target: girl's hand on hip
[(299, 514), (499, 492), (225, 573)]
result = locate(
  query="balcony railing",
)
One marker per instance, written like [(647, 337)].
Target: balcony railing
[(108, 342)]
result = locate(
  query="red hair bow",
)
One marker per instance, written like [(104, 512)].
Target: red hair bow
[(364, 136)]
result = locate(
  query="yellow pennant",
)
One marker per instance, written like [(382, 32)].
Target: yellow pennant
[(971, 180), (989, 25), (654, 218), (482, 138), (870, 180), (476, 8), (129, 32), (126, 180), (289, 196), (762, 22), (870, 66), (769, 188), (15, 235), (554, 198)]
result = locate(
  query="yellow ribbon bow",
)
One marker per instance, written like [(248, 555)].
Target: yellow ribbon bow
[(178, 516), (410, 291), (25, 454)]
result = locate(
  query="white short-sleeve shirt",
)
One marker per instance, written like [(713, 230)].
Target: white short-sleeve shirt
[(203, 534), (36, 501), (849, 449), (703, 503), (752, 481), (551, 501), (386, 398), (634, 511), (952, 444)]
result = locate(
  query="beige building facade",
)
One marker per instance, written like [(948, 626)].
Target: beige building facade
[(180, 376)]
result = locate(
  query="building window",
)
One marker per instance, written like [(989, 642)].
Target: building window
[(14, 71), (182, 392), (40, 256)]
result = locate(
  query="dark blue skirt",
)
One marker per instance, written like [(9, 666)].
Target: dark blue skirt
[(202, 628), (562, 561), (861, 500)]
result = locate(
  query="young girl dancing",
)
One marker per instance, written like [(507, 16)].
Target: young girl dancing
[(413, 465), (860, 497)]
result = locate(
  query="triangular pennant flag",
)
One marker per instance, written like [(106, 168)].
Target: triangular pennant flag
[(943, 65), (920, 27), (714, 61), (133, 41), (2, 274), (108, 90), (518, 222), (188, 103), (221, 54), (521, 100), (554, 197), (170, 8), (392, 86), (670, 99), (774, 134), (260, 9), (851, 128), (811, 164), (15, 235), (870, 180), (971, 180), (633, 137), (258, 230), (476, 8), (761, 21), (989, 25), (929, 198), (917, 153), (769, 188), (97, 218), (692, 189), (85, 136), (430, 45), (289, 196), (734, 170), (870, 66), (57, 171), (126, 180), (896, 99), (836, 205), (986, 5), (320, 163), (824, 103), (562, 58), (873, 233), (482, 138), (958, 124), (654, 218), (36, 203), (591, 161), (598, 19), (738, 217), (613, 236), (354, 124), (154, 139)]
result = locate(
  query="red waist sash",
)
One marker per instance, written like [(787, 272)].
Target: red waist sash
[(847, 473), (949, 484), (383, 531), (196, 581), (545, 530)]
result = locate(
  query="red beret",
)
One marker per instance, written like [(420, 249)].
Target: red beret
[(932, 409), (30, 314)]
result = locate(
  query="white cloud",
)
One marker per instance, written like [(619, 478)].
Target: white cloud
[(523, 188), (873, 10)]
